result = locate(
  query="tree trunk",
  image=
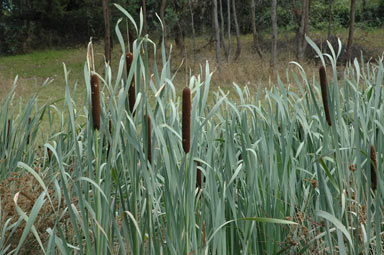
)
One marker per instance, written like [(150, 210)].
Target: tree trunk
[(179, 39), (306, 24), (256, 44), (274, 34), (238, 48), (144, 6), (303, 29), (351, 31), (162, 17), (330, 18), (107, 32), (193, 31), (229, 29), (217, 32), (222, 28)]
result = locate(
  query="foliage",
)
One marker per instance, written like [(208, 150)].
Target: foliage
[(278, 178), (32, 24)]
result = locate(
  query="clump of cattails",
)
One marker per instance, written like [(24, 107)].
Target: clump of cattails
[(149, 145), (324, 94), (373, 168), (132, 88), (186, 119), (95, 90)]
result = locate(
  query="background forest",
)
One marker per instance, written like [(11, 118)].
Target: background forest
[(34, 24)]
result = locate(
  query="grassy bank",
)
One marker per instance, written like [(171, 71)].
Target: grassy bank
[(251, 70)]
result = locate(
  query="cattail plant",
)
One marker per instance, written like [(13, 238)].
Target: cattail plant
[(7, 138), (373, 168), (198, 177), (149, 144), (132, 88), (95, 89), (186, 119), (110, 133), (49, 152), (324, 94), (29, 134)]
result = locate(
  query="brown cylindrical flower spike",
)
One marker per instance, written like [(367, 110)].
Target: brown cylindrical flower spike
[(95, 90), (373, 168), (186, 120), (149, 145), (324, 94), (132, 88), (49, 152)]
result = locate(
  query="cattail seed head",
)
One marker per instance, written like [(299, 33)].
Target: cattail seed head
[(132, 88), (324, 94), (132, 97), (129, 60), (186, 119), (373, 168), (149, 145), (49, 152), (95, 90)]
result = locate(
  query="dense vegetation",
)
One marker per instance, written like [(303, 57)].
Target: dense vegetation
[(31, 24), (139, 169)]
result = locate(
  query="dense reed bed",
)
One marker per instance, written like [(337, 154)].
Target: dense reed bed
[(296, 172)]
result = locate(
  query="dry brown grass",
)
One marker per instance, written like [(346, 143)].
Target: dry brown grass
[(28, 190)]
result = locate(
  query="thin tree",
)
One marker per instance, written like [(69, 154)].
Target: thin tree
[(274, 34), (222, 28), (229, 29), (107, 32), (179, 35), (238, 48), (256, 44), (330, 7), (193, 31), (303, 29), (217, 32), (162, 17), (351, 31)]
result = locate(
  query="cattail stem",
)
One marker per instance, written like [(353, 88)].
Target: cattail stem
[(149, 145), (186, 120), (110, 133), (198, 177), (7, 139), (29, 133), (373, 168), (324, 94), (95, 89), (132, 88)]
